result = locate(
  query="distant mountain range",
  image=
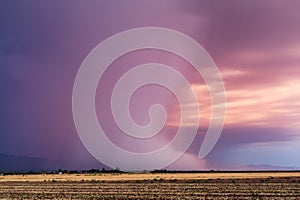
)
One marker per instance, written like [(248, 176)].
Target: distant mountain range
[(265, 168), (12, 163)]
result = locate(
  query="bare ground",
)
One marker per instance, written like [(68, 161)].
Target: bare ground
[(269, 185)]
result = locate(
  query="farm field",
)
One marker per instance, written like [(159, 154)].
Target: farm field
[(261, 185)]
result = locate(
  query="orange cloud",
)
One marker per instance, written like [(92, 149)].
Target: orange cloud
[(274, 105)]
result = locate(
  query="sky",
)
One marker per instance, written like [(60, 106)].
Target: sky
[(255, 44)]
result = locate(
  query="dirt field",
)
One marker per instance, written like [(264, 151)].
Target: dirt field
[(152, 186)]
